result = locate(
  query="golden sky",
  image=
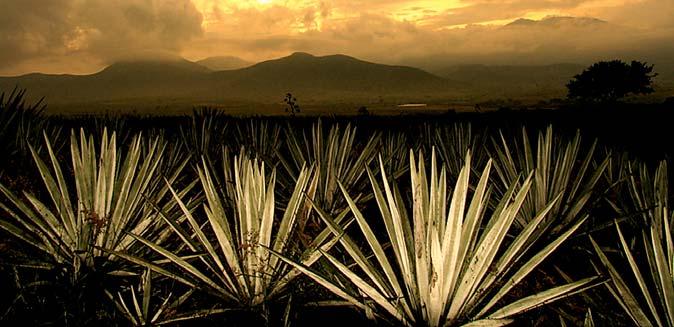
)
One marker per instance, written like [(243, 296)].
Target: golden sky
[(82, 36)]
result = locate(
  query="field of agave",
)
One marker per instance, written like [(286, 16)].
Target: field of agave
[(212, 220)]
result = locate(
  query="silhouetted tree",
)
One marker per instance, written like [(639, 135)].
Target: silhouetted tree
[(293, 107), (608, 81), (363, 111)]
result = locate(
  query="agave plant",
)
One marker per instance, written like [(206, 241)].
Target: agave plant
[(20, 125), (626, 194), (124, 127), (615, 177), (336, 156), (649, 301), (648, 193), (92, 212), (259, 137), (142, 304), (559, 167), (449, 266), (206, 130), (393, 150), (588, 321), (452, 143), (235, 265)]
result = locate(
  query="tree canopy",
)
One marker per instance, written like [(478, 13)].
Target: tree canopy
[(608, 81)]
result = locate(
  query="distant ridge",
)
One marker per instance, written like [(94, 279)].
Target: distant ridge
[(304, 72), (224, 63), (308, 76), (154, 68), (512, 80), (556, 21)]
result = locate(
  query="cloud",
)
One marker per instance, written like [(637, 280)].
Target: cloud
[(650, 14), (478, 11), (115, 29), (81, 35), (44, 28), (38, 31), (380, 38)]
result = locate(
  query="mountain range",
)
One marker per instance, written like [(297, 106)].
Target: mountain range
[(224, 63), (166, 80), (556, 21), (503, 81), (312, 79), (304, 75)]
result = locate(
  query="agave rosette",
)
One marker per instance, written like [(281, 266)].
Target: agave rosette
[(559, 167), (82, 229), (449, 266), (337, 156), (643, 284), (235, 264)]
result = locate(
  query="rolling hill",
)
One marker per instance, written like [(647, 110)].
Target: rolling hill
[(304, 73), (556, 21), (306, 76), (123, 80), (513, 81), (224, 63)]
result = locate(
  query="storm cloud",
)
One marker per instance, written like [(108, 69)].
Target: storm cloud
[(90, 32), (80, 36)]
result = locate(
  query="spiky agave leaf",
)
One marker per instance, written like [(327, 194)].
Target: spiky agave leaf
[(649, 301), (206, 131), (21, 125), (453, 141), (394, 151), (648, 192), (15, 120), (559, 167), (633, 190), (236, 265), (337, 156), (446, 269), (587, 320), (108, 202), (615, 193), (144, 305), (259, 137), (159, 201)]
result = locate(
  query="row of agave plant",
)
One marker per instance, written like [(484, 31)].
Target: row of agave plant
[(171, 229)]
